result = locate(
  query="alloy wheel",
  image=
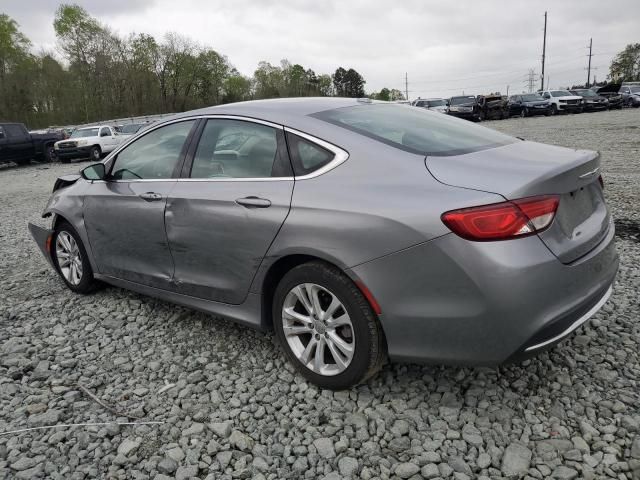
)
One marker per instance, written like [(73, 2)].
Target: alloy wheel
[(318, 329), (69, 259)]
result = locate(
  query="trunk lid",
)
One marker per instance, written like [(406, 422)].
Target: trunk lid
[(525, 169)]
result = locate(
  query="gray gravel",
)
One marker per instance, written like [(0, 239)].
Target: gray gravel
[(231, 406)]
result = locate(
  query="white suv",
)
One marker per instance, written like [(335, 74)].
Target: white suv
[(563, 101), (90, 142)]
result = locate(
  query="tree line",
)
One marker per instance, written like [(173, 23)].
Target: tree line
[(104, 75)]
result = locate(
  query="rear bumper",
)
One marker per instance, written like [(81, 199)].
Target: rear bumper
[(484, 303), (41, 236), (466, 115)]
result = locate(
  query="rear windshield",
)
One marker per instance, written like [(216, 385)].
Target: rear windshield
[(461, 100), (415, 130)]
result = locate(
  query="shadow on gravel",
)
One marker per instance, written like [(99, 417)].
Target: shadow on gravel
[(627, 229)]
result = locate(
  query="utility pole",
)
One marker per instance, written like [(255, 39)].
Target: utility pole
[(406, 86), (544, 48), (589, 67), (507, 90)]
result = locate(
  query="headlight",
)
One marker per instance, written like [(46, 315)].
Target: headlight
[(81, 142)]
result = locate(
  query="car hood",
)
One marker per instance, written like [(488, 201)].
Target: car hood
[(78, 139), (610, 88), (536, 102), (569, 97)]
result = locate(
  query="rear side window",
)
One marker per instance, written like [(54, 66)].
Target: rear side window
[(239, 149), (415, 130), (306, 156)]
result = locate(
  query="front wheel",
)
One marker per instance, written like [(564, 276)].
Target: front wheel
[(95, 153), (554, 109), (326, 327), (49, 153), (523, 113), (71, 260)]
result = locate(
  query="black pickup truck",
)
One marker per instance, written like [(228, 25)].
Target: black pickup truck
[(19, 146)]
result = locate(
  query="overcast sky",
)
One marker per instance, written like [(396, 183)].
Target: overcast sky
[(445, 47)]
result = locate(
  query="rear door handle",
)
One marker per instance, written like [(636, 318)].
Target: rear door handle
[(151, 196), (253, 202)]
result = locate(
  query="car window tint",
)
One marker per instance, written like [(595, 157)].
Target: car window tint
[(415, 130), (235, 149), (105, 131), (14, 131), (307, 156), (154, 155)]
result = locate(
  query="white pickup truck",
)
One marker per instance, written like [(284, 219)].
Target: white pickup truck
[(92, 142)]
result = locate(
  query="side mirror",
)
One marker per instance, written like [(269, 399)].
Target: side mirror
[(94, 172)]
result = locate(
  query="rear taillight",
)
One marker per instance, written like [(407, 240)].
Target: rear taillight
[(503, 221), (601, 180)]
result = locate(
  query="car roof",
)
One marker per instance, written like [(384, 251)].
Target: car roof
[(278, 110)]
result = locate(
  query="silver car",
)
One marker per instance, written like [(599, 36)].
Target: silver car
[(356, 230)]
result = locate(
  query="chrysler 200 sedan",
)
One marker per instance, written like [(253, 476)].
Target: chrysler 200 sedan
[(356, 230)]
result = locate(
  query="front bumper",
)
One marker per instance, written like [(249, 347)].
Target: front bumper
[(574, 107), (42, 237), (453, 301), (76, 152), (538, 110), (595, 107)]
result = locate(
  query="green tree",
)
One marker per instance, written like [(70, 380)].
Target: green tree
[(626, 64)]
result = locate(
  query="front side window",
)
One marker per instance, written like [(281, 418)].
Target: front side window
[(415, 130), (104, 132), (154, 155), (238, 149)]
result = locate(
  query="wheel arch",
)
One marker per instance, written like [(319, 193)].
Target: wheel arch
[(279, 268)]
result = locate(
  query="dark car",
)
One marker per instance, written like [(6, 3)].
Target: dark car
[(591, 101), (630, 95), (528, 104), (612, 93), (478, 108), (19, 146)]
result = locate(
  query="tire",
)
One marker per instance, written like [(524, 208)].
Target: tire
[(84, 282), (49, 153), (95, 153), (523, 113), (363, 331), (554, 109)]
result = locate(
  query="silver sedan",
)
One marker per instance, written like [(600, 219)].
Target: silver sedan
[(356, 230)]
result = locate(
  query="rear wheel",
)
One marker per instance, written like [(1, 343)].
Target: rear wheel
[(49, 153), (71, 260), (326, 327)]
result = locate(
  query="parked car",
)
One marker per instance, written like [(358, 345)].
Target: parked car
[(528, 104), (90, 142), (415, 268), (19, 146), (563, 101), (436, 104), (631, 95), (466, 107), (591, 101), (612, 93)]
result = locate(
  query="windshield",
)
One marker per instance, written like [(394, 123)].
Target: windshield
[(461, 100), (415, 130), (561, 93), (584, 93), (131, 128), (436, 103), (84, 132), (532, 98)]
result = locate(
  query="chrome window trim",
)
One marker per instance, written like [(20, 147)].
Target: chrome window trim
[(340, 155)]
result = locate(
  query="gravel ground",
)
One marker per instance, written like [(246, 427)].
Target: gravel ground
[(231, 407)]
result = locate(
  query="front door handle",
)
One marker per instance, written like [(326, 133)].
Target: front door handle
[(151, 196), (254, 202)]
